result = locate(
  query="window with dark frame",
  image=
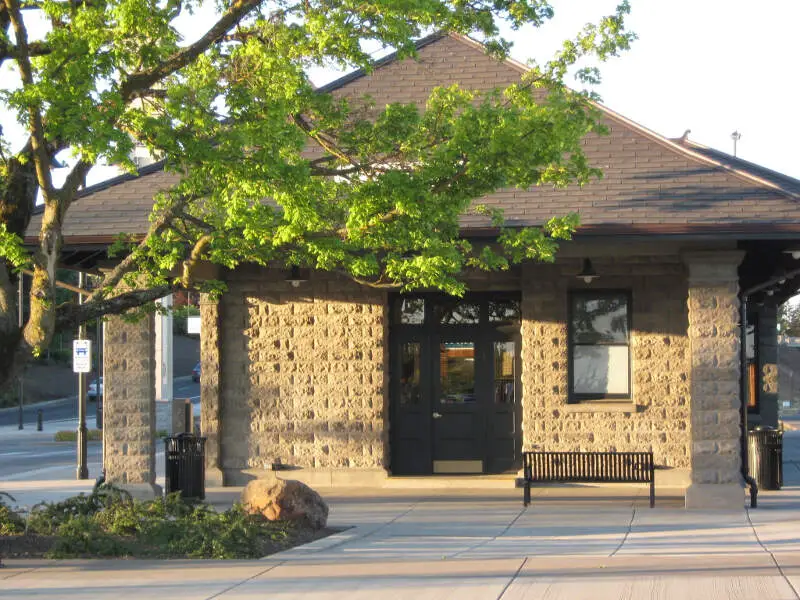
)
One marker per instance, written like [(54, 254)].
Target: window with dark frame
[(599, 345)]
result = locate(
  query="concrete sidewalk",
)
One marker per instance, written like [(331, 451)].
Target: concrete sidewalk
[(572, 542)]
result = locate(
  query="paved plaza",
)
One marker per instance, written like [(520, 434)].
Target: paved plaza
[(449, 542)]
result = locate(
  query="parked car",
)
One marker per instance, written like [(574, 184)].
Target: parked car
[(95, 389), (196, 373)]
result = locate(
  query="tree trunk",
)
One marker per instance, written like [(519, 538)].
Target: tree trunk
[(17, 199)]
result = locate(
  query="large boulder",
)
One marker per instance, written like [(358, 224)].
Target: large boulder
[(285, 499)]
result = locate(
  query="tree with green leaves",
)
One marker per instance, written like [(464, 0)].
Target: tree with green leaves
[(234, 112), (789, 319)]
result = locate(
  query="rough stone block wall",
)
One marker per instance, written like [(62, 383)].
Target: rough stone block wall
[(658, 415), (129, 417), (714, 335), (210, 360), (303, 378)]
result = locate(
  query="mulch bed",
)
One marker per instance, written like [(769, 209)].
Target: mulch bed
[(36, 546)]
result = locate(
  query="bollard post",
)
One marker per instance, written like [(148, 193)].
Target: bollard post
[(39, 419), (187, 416)]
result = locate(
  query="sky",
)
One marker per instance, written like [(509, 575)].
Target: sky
[(711, 66)]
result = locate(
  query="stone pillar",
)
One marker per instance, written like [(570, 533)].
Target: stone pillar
[(210, 388), (714, 338), (129, 422)]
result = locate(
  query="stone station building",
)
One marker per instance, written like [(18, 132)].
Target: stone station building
[(342, 384)]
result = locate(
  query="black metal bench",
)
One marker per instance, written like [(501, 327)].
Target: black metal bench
[(588, 467)]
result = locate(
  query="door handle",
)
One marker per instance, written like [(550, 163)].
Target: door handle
[(437, 415)]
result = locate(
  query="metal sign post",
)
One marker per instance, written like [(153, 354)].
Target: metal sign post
[(21, 322), (82, 364)]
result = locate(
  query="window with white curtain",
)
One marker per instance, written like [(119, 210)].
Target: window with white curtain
[(599, 345)]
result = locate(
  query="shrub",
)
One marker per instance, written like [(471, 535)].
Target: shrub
[(83, 536), (109, 522), (11, 522)]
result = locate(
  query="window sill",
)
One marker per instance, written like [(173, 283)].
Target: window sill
[(600, 406)]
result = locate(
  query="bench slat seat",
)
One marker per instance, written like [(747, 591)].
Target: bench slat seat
[(588, 467)]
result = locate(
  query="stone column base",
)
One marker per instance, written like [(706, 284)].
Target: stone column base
[(214, 477), (719, 496), (142, 491)]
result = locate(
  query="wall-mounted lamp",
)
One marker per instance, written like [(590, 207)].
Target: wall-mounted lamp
[(795, 253), (588, 274), (297, 276)]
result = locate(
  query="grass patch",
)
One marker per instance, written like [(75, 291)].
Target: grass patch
[(93, 435), (110, 523)]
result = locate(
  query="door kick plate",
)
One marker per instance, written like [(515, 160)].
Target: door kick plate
[(458, 466)]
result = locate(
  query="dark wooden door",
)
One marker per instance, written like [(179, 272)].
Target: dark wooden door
[(459, 402), (454, 385), (411, 403)]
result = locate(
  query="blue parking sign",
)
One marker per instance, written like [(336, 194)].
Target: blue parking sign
[(81, 356)]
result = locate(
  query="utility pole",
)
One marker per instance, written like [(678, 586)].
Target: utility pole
[(83, 471), (735, 136), (21, 323)]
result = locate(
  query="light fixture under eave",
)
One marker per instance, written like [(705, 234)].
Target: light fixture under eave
[(588, 274), (794, 252), (297, 276)]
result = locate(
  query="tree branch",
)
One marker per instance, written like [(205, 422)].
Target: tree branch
[(129, 262), (71, 315), (145, 79), (190, 263), (36, 127)]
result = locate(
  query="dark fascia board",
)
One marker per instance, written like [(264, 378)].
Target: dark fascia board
[(664, 231), (745, 231)]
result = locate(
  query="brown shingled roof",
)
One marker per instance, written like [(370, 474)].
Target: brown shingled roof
[(651, 185)]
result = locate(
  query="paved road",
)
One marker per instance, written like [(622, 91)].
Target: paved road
[(20, 458), (67, 408)]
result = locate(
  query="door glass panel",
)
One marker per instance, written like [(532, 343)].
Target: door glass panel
[(504, 376), (409, 373), (459, 313), (410, 311), (457, 372), (504, 311)]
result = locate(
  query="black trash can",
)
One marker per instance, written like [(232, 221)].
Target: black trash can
[(765, 457), (185, 458)]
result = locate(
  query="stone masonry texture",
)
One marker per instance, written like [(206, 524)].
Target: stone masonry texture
[(657, 417), (303, 377), (210, 355), (714, 336), (129, 418)]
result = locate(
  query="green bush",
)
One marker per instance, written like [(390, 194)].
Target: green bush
[(109, 522), (84, 536), (11, 523), (179, 318)]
